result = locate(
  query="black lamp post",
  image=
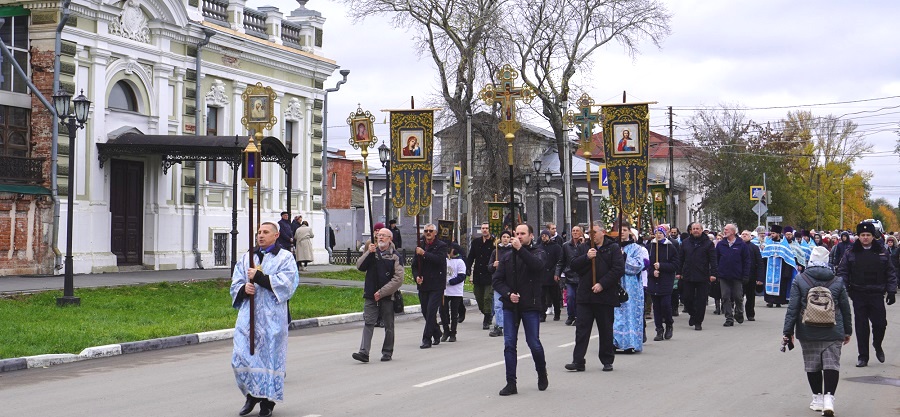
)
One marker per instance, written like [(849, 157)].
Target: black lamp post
[(547, 176), (384, 155), (63, 103)]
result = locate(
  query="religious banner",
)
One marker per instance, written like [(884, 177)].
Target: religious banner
[(626, 130), (412, 143), (658, 195), (445, 230), (495, 216)]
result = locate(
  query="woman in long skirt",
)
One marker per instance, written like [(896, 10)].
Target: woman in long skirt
[(628, 327)]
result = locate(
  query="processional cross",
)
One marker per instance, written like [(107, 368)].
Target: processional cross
[(586, 120)]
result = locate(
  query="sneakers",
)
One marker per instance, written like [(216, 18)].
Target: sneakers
[(498, 331), (362, 357), (570, 321), (817, 402), (828, 405), (607, 367), (509, 389)]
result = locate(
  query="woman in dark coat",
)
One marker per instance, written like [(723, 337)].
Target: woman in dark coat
[(660, 280)]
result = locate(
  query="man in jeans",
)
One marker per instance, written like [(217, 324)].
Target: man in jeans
[(518, 280), (733, 258), (384, 275)]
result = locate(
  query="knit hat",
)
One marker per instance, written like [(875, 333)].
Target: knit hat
[(546, 232), (379, 226), (865, 227), (788, 229), (818, 256), (664, 228)]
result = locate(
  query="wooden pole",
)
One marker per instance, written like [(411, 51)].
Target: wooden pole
[(587, 165), (250, 279)]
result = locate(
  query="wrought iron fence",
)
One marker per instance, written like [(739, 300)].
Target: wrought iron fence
[(20, 170), (220, 248), (349, 256)]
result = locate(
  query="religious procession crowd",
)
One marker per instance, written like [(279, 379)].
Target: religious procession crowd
[(610, 278)]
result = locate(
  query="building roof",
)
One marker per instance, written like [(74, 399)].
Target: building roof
[(658, 147)]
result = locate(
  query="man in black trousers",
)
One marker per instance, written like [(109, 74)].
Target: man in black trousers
[(600, 270), (430, 269), (698, 271)]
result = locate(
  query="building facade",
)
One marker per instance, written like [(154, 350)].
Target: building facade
[(136, 60)]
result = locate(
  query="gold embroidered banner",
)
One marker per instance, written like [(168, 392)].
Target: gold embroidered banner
[(412, 145), (626, 130)]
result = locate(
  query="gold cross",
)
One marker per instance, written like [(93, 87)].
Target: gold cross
[(506, 94)]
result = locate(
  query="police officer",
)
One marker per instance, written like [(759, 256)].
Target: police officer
[(867, 271)]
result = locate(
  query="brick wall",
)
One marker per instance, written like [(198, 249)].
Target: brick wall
[(340, 195), (41, 118)]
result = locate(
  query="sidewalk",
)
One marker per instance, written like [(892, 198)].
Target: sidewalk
[(23, 284)]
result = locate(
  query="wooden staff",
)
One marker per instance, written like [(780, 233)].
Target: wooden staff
[(250, 280), (587, 155)]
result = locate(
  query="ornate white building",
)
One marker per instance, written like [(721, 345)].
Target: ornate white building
[(136, 61)]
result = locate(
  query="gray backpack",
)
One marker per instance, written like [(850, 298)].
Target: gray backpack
[(819, 311)]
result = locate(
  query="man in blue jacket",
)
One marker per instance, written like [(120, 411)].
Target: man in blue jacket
[(733, 258)]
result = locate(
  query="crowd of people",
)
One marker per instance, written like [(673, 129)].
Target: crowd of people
[(611, 278)]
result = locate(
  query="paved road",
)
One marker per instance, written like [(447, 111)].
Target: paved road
[(717, 372)]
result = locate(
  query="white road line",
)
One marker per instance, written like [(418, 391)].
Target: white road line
[(573, 343), (463, 373)]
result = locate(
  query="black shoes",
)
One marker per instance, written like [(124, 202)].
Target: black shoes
[(543, 382), (879, 354), (425, 344), (379, 323), (437, 339), (728, 323), (497, 331), (452, 338), (751, 319), (659, 335), (691, 321), (486, 323), (462, 315), (698, 327), (543, 318), (739, 318), (362, 357), (445, 337), (578, 367), (607, 367), (248, 405), (509, 389), (861, 363), (717, 312), (669, 330), (265, 408), (385, 358), (556, 317), (570, 321)]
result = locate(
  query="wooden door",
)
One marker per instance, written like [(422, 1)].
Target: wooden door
[(126, 206)]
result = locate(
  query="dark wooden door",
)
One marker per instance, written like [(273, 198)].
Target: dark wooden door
[(126, 206)]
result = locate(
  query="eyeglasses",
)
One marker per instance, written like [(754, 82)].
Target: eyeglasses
[(430, 231)]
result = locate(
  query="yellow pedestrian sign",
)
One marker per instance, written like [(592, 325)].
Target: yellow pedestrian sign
[(756, 192)]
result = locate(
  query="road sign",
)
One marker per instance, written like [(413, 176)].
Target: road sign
[(756, 192), (773, 219), (457, 176), (604, 177), (760, 209)]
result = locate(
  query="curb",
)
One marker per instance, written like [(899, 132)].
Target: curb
[(105, 351)]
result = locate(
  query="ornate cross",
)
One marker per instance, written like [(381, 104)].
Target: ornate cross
[(585, 120), (506, 94)]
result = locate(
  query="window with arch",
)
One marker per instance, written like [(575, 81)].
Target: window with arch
[(122, 97)]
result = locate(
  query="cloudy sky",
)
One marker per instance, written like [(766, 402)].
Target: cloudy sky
[(766, 56)]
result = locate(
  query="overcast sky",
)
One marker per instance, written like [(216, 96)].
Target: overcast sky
[(753, 54)]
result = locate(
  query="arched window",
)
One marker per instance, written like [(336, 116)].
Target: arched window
[(122, 97)]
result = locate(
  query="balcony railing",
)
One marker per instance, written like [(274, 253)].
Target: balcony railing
[(255, 23), (19, 170), (216, 10)]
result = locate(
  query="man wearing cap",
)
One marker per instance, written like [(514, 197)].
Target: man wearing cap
[(868, 273), (285, 235), (781, 267)]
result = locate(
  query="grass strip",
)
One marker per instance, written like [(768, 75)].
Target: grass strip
[(34, 325)]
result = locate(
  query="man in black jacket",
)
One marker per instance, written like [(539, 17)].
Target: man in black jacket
[(697, 271), (550, 277), (601, 268), (868, 272), (430, 269), (477, 265), (518, 280), (572, 249), (757, 274)]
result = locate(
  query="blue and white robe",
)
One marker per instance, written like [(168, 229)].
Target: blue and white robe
[(262, 374), (781, 268), (628, 327)]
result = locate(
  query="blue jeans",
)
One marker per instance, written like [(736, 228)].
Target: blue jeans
[(498, 310), (531, 321), (570, 299)]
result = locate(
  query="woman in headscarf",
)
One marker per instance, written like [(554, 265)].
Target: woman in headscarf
[(661, 279), (821, 345), (628, 327)]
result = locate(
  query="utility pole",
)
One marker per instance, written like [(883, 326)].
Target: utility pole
[(468, 184), (672, 214), (842, 204)]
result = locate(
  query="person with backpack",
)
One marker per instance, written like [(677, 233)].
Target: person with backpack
[(819, 315)]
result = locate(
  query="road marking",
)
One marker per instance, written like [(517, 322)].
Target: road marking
[(573, 343), (463, 373)]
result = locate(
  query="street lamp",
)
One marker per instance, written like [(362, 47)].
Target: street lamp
[(328, 243), (384, 154), (63, 102)]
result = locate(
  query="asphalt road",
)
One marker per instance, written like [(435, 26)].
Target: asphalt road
[(719, 371)]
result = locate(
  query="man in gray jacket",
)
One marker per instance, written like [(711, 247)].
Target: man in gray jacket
[(384, 275)]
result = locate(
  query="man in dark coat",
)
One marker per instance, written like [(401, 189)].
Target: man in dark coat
[(395, 232), (480, 250), (575, 247), (733, 259), (597, 297), (552, 295), (517, 279), (837, 253), (429, 266), (869, 274), (285, 236), (757, 275), (698, 269)]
